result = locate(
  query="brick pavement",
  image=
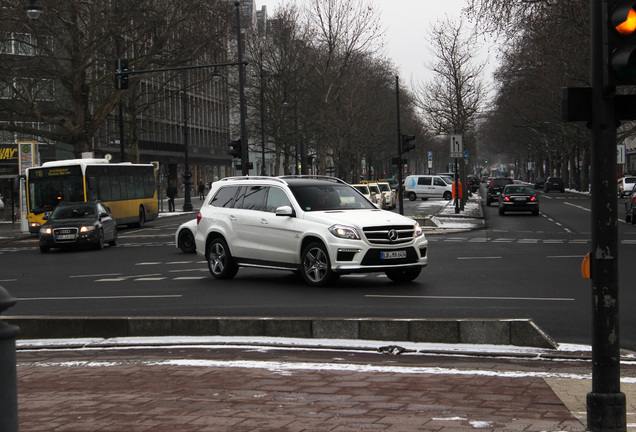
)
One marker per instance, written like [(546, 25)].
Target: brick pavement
[(179, 388)]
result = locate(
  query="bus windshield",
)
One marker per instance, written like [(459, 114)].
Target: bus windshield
[(48, 187)]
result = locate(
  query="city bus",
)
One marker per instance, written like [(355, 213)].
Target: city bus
[(129, 190)]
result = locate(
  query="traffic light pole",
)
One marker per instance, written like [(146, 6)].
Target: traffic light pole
[(399, 145), (606, 405)]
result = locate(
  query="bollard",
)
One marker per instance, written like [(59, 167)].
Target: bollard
[(8, 371)]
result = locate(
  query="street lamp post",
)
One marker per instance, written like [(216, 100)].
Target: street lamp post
[(263, 171), (245, 159), (187, 175)]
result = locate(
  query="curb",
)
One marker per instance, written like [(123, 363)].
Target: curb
[(516, 332)]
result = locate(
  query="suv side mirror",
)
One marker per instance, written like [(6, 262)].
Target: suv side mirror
[(284, 211)]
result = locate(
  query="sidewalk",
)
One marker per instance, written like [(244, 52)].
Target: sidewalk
[(232, 385)]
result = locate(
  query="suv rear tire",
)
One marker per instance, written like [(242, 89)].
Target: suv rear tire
[(220, 261), (316, 266)]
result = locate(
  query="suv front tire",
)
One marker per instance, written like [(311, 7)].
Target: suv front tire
[(316, 266)]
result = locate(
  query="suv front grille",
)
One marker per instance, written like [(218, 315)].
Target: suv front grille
[(389, 235)]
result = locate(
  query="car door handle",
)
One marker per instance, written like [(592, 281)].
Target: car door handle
[(233, 218), (264, 221)]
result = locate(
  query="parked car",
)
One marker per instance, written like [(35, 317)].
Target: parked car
[(75, 224), (377, 193), (363, 188), (516, 197), (184, 237), (473, 183), (539, 183), (495, 187), (389, 194), (427, 186), (554, 183), (626, 185), (318, 227)]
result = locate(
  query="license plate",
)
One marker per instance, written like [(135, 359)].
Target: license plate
[(65, 237), (393, 254), (520, 198)]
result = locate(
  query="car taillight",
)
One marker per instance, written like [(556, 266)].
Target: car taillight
[(506, 198), (198, 218), (534, 198)]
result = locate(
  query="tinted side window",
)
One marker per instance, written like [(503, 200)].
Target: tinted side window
[(254, 198), (426, 181), (437, 181), (224, 197), (276, 198)]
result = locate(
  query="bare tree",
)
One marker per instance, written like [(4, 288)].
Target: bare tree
[(454, 97), (341, 30), (64, 90)]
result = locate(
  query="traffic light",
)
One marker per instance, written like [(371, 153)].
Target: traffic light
[(621, 42), (235, 149), (405, 143), (121, 74)]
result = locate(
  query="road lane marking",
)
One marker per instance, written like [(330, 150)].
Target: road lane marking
[(471, 298), (478, 257), (100, 297), (95, 275), (578, 206)]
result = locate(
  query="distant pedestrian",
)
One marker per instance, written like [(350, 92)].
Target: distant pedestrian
[(201, 189), (171, 192)]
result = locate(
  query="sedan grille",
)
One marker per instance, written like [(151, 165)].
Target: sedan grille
[(62, 235), (389, 235)]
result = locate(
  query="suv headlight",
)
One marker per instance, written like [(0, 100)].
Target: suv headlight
[(418, 230), (345, 232)]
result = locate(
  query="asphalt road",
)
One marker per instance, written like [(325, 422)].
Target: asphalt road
[(520, 266)]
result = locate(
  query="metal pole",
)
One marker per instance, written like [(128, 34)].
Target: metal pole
[(399, 145), (245, 158), (606, 405), (187, 176), (122, 148), (263, 172), (8, 371)]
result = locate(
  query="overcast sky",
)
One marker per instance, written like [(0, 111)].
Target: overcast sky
[(406, 24)]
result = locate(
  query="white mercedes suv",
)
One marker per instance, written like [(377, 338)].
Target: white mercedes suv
[(318, 227)]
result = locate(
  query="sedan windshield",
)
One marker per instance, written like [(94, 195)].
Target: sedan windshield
[(71, 212)]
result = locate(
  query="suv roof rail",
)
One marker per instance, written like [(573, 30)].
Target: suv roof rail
[(251, 178), (312, 176)]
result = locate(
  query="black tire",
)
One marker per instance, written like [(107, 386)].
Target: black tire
[(411, 196), (45, 249), (99, 245), (113, 242), (186, 241), (633, 219), (628, 217), (316, 266), (142, 217), (403, 275), (535, 212), (448, 195), (501, 211), (220, 261), (487, 202)]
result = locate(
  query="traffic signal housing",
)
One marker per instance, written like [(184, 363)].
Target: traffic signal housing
[(406, 139), (621, 42), (121, 74), (235, 150)]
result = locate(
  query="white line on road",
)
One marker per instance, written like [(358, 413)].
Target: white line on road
[(472, 298), (479, 257), (99, 297)]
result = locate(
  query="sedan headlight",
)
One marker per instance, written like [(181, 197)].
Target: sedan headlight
[(87, 228), (418, 230), (46, 230), (344, 232)]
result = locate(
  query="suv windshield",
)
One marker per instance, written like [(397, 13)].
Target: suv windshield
[(329, 197)]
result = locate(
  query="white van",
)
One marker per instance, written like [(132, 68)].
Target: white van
[(427, 186)]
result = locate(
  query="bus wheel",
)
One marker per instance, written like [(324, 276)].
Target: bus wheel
[(142, 217)]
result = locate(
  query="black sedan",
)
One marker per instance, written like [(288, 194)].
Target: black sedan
[(518, 198), (76, 224), (554, 183)]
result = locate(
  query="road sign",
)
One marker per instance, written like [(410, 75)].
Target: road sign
[(456, 146), (466, 154), (620, 153)]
